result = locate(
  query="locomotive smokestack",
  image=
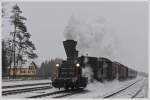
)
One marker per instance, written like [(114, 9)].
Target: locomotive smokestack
[(70, 49)]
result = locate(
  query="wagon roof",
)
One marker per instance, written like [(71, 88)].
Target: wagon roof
[(96, 58)]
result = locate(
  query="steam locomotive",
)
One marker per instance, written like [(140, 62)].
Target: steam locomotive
[(70, 75)]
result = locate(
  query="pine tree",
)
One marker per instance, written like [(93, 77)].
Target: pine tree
[(22, 47)]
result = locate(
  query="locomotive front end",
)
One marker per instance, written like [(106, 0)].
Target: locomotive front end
[(69, 76), (69, 73)]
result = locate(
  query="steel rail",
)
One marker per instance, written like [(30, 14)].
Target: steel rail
[(9, 92)]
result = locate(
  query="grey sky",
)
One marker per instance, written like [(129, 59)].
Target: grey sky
[(129, 21)]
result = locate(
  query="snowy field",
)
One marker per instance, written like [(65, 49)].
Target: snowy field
[(21, 82), (93, 90)]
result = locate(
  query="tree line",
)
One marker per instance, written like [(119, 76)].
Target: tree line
[(48, 68)]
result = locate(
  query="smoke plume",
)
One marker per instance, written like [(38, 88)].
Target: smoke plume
[(88, 72), (94, 38)]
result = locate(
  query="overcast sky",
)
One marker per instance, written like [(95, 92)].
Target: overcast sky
[(128, 20)]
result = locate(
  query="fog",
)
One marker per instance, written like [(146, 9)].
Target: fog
[(117, 30)]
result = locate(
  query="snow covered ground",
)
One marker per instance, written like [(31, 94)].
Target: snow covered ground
[(95, 89), (144, 92), (8, 89), (131, 91), (99, 90), (21, 82), (28, 94)]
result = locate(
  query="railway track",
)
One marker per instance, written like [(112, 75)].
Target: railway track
[(24, 85), (71, 93), (10, 92), (59, 94), (47, 94), (64, 93), (136, 94), (114, 93)]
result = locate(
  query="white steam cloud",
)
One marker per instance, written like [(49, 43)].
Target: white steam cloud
[(87, 72), (94, 38)]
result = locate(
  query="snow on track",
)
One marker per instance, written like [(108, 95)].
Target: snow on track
[(144, 91), (31, 93), (16, 88), (73, 92), (117, 91), (95, 90), (98, 90), (60, 93), (24, 87), (131, 91), (22, 82), (10, 92)]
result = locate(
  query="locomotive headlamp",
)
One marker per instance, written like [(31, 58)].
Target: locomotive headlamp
[(78, 65), (57, 65)]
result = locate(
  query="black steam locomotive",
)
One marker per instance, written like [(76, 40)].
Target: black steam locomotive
[(69, 73)]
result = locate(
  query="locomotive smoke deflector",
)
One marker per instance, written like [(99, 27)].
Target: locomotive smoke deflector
[(70, 49)]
